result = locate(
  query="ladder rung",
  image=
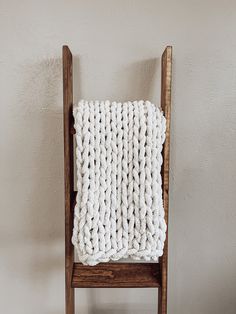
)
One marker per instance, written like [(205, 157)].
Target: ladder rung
[(116, 275)]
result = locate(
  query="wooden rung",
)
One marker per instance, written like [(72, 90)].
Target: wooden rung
[(116, 275)]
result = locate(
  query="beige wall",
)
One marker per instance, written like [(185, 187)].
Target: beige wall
[(117, 45)]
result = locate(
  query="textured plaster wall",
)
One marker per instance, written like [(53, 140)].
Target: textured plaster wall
[(117, 45)]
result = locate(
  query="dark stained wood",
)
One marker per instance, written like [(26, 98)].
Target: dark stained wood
[(116, 275), (122, 275), (69, 175), (166, 73), (72, 130), (73, 199)]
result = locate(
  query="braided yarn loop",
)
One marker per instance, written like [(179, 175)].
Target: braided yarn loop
[(119, 208)]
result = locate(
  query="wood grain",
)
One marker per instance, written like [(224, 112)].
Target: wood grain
[(166, 73), (116, 275), (69, 175)]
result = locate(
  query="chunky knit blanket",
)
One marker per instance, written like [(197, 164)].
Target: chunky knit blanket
[(119, 209)]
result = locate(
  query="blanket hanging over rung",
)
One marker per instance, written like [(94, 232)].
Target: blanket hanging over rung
[(119, 209)]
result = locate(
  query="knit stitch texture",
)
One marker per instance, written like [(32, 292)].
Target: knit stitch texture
[(119, 208)]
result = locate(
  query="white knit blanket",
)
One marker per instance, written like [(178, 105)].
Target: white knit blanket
[(119, 209)]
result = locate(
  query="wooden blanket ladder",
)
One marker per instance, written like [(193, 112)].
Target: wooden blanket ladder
[(112, 275)]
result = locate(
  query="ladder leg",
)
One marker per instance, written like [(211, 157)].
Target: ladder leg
[(69, 175), (70, 300), (166, 73), (162, 291), (162, 301)]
